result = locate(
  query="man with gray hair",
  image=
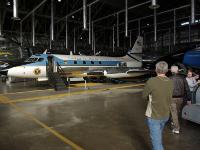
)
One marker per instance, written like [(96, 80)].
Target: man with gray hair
[(174, 69), (158, 91), (181, 92)]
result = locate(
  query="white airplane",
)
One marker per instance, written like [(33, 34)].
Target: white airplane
[(77, 65)]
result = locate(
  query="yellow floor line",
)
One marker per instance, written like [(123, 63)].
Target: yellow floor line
[(4, 99), (51, 97), (83, 84), (28, 91), (73, 85)]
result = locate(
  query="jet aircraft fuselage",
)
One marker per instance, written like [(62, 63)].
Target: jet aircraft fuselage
[(77, 65)]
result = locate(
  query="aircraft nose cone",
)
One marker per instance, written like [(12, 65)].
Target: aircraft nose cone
[(4, 72)]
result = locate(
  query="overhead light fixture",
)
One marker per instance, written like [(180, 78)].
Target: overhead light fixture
[(187, 22), (154, 4), (73, 17), (15, 10), (197, 21), (59, 0), (8, 3), (147, 24)]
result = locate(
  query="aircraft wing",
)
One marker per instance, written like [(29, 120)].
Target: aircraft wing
[(95, 73), (119, 72), (138, 71)]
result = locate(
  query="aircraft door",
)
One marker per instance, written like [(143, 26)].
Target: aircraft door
[(50, 64), (122, 64)]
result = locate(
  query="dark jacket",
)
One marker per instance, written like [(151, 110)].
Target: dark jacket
[(181, 88)]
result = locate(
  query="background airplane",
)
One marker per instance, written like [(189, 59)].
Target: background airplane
[(192, 59), (37, 66), (11, 53)]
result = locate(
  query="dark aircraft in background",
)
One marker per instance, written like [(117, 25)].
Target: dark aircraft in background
[(12, 54), (184, 58), (192, 59)]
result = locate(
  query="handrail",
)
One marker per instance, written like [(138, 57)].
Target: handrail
[(61, 73)]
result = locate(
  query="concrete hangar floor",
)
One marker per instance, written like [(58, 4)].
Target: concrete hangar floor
[(102, 117)]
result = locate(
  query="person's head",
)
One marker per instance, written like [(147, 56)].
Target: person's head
[(189, 74), (161, 67), (174, 69)]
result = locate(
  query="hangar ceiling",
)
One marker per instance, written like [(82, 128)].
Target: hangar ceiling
[(99, 9)]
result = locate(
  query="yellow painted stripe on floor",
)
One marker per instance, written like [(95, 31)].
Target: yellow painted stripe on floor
[(4, 99), (29, 91), (51, 97), (83, 84), (73, 85)]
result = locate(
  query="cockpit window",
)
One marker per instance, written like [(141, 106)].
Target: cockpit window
[(40, 59), (34, 59)]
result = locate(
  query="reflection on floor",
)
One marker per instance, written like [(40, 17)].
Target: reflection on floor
[(94, 119)]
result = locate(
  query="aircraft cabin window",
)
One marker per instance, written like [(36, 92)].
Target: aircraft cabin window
[(40, 59), (65, 62), (100, 62), (75, 62), (32, 60), (26, 60), (92, 62), (35, 59), (84, 62), (122, 64)]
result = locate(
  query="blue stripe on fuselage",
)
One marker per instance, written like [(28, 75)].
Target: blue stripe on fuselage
[(78, 63), (87, 63), (74, 62)]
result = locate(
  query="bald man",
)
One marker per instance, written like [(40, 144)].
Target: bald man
[(181, 92)]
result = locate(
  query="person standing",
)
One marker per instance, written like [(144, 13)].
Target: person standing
[(192, 81), (158, 91), (181, 92)]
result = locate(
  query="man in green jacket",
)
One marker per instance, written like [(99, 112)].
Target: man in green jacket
[(158, 91)]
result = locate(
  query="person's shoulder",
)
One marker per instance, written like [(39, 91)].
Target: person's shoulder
[(172, 77), (169, 78), (193, 78), (152, 79), (171, 82), (180, 77)]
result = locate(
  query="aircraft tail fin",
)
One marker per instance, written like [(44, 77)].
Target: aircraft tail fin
[(71, 53), (137, 48), (45, 52), (136, 51)]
